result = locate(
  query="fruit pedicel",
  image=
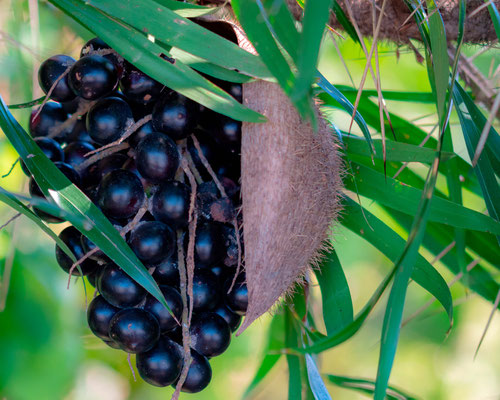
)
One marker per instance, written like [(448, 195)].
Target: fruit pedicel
[(95, 100)]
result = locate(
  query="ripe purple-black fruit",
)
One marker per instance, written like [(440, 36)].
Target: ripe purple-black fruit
[(118, 288), (50, 71), (209, 247), (99, 314), (161, 313), (175, 115), (199, 374), (108, 119), (206, 290), (139, 87), (210, 334), (92, 77), (134, 330), (157, 158), (152, 242), (162, 365), (167, 272), (171, 204), (232, 319), (71, 237), (237, 298), (120, 194), (48, 120)]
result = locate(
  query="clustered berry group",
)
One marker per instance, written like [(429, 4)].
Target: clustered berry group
[(96, 100)]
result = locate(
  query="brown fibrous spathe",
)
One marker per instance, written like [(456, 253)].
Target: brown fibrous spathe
[(291, 186)]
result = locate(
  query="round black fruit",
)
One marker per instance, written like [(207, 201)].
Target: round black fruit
[(118, 288), (171, 204), (167, 273), (96, 45), (175, 115), (206, 290), (232, 319), (107, 164), (72, 238), (237, 298), (157, 157), (162, 314), (139, 87), (92, 77), (199, 374), (50, 71), (120, 194), (134, 330), (210, 334), (74, 153), (48, 120), (99, 314), (108, 119), (89, 246), (50, 148), (161, 365), (152, 242), (209, 244)]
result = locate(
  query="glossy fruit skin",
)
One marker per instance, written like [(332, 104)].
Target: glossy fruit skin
[(72, 238), (224, 130), (199, 374), (119, 289), (175, 115), (139, 87), (140, 134), (237, 298), (209, 244), (210, 334), (51, 116), (233, 320), (157, 158), (120, 194), (74, 152), (206, 290), (92, 77), (171, 204), (165, 319), (97, 44), (50, 70), (88, 246), (50, 148), (167, 272), (35, 190), (162, 365), (99, 314), (105, 165), (134, 330), (152, 242), (108, 119)]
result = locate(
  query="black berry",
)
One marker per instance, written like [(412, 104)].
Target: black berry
[(210, 334), (209, 245), (99, 316), (72, 238), (48, 120), (120, 194), (171, 204), (152, 242), (232, 319), (199, 374), (237, 298), (206, 290), (167, 272), (157, 158), (108, 119), (139, 87), (92, 77), (162, 365), (175, 115), (162, 314), (134, 330), (50, 71), (118, 288)]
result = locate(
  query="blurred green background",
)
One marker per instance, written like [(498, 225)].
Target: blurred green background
[(47, 351)]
